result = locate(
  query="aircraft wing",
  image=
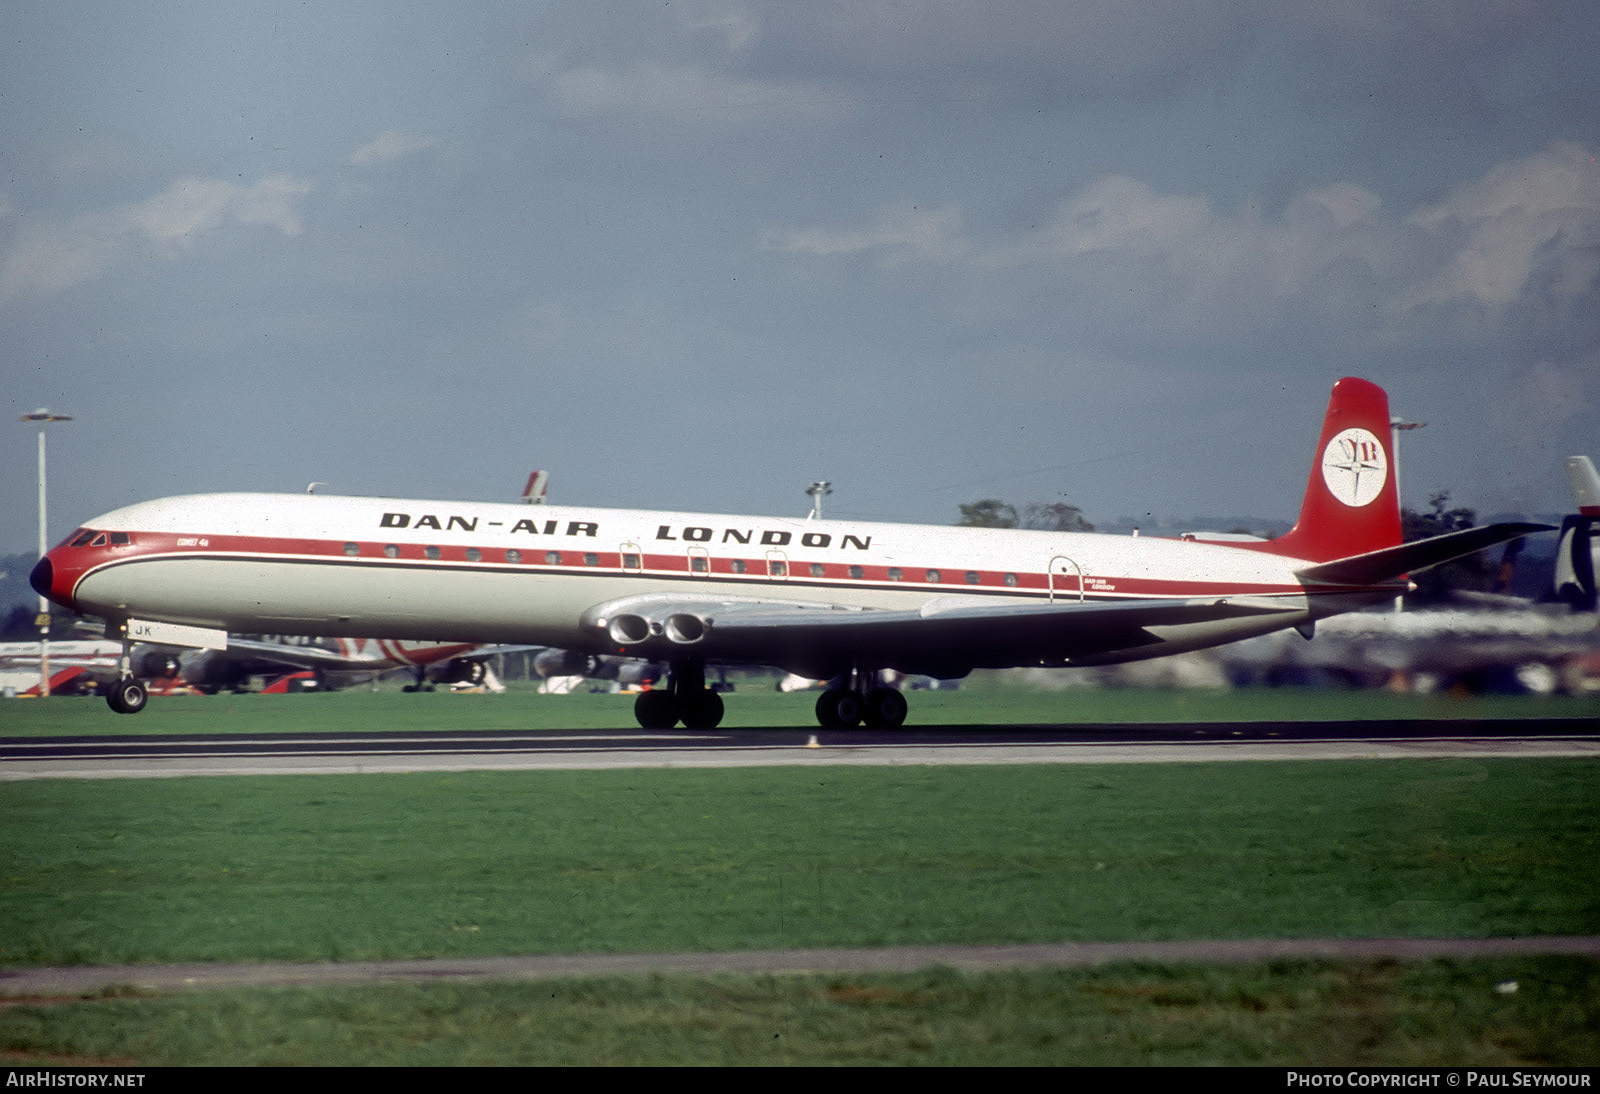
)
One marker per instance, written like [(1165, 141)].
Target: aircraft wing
[(947, 636)]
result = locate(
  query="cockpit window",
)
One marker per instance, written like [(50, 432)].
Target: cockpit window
[(90, 538)]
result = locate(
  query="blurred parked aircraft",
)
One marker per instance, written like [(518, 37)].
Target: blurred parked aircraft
[(87, 666), (337, 663), (1492, 642), (1579, 555), (1530, 649), (75, 666)]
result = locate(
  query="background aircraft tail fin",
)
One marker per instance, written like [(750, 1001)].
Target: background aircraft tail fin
[(1352, 504), (538, 487), (1585, 484)]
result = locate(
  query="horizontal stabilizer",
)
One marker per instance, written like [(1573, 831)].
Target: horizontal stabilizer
[(1393, 562)]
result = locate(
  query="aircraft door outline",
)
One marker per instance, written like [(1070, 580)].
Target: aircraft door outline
[(1062, 568)]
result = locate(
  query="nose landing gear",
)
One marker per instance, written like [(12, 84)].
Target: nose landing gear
[(127, 695)]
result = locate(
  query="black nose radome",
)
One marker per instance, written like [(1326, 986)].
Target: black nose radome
[(41, 577)]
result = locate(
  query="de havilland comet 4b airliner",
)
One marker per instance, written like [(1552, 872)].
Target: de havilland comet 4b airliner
[(827, 599)]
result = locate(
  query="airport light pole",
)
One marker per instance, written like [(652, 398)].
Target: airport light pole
[(817, 491), (44, 418), (1397, 426)]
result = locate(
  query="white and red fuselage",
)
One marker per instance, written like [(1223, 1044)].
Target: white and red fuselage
[(478, 573)]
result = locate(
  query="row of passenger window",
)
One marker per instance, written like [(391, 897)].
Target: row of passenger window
[(699, 564), (473, 554)]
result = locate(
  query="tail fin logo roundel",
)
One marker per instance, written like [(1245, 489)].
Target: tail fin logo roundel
[(1351, 504), (1354, 467)]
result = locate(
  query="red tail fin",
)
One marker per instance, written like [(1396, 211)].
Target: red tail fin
[(1352, 505)]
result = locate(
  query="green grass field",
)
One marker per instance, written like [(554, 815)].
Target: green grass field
[(348, 867), (343, 867)]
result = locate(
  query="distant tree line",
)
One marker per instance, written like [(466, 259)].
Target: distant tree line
[(1039, 516)]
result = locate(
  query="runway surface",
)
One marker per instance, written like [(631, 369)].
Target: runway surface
[(104, 757)]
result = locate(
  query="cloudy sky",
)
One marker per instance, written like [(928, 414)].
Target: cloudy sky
[(697, 254)]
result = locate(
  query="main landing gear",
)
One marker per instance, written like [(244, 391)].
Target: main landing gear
[(855, 699), (685, 699), (859, 698)]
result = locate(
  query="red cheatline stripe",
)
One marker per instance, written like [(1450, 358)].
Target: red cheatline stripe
[(949, 578)]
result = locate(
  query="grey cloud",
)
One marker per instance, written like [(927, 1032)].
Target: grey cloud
[(896, 235), (1528, 226), (387, 147), (688, 93), (1538, 215), (47, 257)]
